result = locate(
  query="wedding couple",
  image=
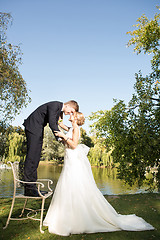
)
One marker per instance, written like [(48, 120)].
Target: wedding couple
[(77, 205)]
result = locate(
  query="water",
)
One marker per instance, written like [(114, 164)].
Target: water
[(106, 180)]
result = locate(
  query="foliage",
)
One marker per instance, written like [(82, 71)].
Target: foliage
[(133, 130), (98, 155), (100, 158), (5, 132), (51, 149), (146, 38), (85, 139), (13, 90), (133, 133), (16, 148)]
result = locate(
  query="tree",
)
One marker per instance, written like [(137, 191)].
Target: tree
[(47, 148), (133, 130), (16, 150), (5, 132), (99, 155), (146, 38), (13, 91), (85, 139), (51, 149)]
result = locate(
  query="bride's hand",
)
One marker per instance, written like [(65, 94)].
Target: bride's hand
[(59, 134)]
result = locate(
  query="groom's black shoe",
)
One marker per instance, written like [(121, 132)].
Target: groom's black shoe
[(31, 192)]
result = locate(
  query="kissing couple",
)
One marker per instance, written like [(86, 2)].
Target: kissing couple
[(77, 205)]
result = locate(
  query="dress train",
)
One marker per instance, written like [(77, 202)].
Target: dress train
[(78, 206)]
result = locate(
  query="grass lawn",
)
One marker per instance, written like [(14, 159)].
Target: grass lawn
[(146, 206)]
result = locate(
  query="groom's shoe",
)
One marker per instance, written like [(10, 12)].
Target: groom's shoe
[(31, 192)]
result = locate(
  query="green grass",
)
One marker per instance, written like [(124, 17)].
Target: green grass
[(146, 206)]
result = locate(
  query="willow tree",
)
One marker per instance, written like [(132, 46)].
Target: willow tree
[(133, 130), (16, 149), (13, 90)]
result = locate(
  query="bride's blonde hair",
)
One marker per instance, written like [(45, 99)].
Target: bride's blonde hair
[(80, 118)]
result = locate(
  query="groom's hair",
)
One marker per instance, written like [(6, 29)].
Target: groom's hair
[(73, 104)]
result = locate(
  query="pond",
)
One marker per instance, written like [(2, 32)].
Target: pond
[(105, 178)]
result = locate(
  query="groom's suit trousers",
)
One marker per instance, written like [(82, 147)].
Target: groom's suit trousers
[(34, 147)]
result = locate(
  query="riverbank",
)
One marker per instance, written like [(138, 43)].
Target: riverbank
[(146, 206), (61, 165)]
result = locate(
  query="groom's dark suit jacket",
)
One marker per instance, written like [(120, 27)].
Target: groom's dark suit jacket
[(46, 113)]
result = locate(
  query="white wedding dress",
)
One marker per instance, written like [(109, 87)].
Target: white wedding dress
[(78, 206)]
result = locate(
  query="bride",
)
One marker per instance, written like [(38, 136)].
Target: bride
[(77, 205)]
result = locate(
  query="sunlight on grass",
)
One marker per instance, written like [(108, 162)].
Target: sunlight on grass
[(146, 206)]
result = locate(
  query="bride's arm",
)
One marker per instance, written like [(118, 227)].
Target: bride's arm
[(71, 142), (61, 124)]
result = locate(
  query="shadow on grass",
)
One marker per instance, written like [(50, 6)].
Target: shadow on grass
[(146, 206)]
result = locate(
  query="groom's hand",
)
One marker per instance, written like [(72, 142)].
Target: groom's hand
[(59, 139), (60, 134)]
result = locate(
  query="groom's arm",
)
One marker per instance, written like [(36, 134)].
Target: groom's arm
[(53, 116)]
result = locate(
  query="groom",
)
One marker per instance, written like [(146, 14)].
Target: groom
[(34, 128)]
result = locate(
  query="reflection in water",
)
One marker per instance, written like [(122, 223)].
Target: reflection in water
[(6, 183), (105, 178)]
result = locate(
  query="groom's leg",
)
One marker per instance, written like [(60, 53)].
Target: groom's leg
[(34, 147)]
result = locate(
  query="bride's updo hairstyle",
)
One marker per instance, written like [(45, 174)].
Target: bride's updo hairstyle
[(80, 118)]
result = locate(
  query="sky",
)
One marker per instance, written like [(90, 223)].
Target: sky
[(76, 49)]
